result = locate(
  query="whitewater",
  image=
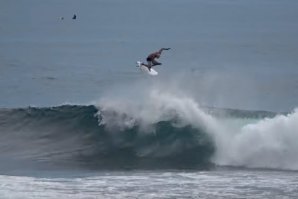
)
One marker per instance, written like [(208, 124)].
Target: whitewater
[(267, 142)]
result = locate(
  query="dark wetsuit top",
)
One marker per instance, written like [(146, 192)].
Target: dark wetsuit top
[(152, 56)]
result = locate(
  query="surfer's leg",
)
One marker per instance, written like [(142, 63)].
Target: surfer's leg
[(149, 65), (155, 63)]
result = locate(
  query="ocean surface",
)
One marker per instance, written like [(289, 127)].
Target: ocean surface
[(79, 120)]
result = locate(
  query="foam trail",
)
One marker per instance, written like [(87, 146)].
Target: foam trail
[(268, 143)]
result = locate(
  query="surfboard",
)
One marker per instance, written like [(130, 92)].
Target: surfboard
[(146, 70)]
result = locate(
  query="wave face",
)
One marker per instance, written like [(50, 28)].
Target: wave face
[(83, 136), (160, 130)]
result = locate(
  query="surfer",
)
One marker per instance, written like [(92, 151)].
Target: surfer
[(151, 58)]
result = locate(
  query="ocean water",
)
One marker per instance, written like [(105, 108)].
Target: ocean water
[(79, 120)]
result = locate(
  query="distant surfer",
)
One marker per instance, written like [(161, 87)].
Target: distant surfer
[(74, 16), (151, 58)]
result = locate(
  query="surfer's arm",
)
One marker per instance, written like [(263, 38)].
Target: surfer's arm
[(162, 49)]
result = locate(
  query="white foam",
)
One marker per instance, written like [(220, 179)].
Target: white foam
[(269, 143), (156, 105)]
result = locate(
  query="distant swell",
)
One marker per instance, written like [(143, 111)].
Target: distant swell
[(77, 136)]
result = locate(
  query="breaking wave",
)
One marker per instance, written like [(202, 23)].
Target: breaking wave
[(163, 131), (97, 137)]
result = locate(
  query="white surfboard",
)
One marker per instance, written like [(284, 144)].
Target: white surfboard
[(145, 69)]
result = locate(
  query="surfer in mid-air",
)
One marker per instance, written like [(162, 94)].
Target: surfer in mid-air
[(151, 58)]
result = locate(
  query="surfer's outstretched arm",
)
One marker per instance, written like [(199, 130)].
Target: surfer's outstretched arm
[(162, 49)]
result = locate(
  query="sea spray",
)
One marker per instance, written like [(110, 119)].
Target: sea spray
[(171, 124), (157, 106)]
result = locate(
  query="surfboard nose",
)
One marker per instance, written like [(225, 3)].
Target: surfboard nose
[(138, 63)]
